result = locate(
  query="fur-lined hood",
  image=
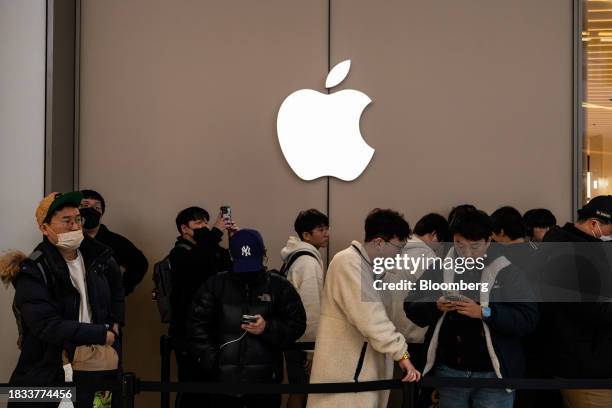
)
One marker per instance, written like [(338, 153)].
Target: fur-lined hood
[(10, 265)]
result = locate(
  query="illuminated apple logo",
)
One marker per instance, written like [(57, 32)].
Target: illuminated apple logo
[(319, 133)]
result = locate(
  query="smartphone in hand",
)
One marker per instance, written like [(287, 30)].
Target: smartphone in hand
[(226, 213)]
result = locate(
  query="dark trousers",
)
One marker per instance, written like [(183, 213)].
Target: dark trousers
[(189, 371), (246, 401), (85, 382)]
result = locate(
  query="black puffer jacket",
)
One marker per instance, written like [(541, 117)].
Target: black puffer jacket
[(215, 320), (48, 304)]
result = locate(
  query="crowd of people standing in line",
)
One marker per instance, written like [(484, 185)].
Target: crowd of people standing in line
[(233, 320)]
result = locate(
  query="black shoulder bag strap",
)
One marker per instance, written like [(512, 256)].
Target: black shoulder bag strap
[(285, 268)]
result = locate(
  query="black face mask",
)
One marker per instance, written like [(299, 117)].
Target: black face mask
[(92, 218), (200, 234)]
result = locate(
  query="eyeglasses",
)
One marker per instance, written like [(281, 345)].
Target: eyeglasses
[(400, 246), (67, 222)]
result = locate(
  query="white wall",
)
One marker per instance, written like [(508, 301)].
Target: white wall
[(22, 132)]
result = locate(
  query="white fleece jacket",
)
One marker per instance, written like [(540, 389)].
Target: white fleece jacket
[(353, 319), (394, 300), (306, 275)]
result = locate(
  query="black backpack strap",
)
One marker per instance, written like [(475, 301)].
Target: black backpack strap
[(285, 268), (360, 361)]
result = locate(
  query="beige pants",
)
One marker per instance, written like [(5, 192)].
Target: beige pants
[(587, 398)]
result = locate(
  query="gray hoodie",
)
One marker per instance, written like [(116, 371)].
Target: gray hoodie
[(306, 274)]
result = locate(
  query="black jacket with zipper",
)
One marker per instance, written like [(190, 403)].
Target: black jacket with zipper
[(216, 318), (579, 330), (130, 258), (514, 314), (49, 303)]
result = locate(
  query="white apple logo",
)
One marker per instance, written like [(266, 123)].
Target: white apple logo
[(319, 133)]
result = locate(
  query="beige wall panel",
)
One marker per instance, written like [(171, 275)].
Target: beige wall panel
[(178, 108), (472, 102)]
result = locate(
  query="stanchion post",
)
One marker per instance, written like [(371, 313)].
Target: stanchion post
[(165, 350), (128, 387), (410, 395)]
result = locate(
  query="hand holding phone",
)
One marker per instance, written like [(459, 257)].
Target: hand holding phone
[(452, 296), (246, 319)]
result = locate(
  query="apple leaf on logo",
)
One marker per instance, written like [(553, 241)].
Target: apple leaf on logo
[(338, 73)]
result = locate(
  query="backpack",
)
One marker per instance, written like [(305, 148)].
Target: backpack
[(162, 278), (285, 268)]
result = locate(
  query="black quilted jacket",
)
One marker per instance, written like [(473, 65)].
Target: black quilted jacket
[(215, 320)]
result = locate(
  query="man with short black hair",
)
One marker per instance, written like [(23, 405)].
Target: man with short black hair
[(538, 222), (458, 211), (508, 226), (509, 233), (356, 340), (474, 333), (303, 267), (197, 255), (132, 261), (432, 229)]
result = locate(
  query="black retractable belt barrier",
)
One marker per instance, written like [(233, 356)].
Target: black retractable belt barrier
[(131, 385), (269, 388), (518, 383), (364, 386)]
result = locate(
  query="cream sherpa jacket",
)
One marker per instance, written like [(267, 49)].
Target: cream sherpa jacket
[(353, 319)]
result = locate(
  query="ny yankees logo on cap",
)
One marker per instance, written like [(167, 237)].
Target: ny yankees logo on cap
[(247, 250)]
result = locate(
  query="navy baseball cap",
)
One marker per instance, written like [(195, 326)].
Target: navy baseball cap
[(247, 249)]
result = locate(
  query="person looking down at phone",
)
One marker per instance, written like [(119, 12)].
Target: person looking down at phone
[(475, 334), (197, 255), (241, 321), (356, 339)]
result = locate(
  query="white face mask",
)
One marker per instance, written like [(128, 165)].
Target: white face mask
[(70, 240), (602, 236)]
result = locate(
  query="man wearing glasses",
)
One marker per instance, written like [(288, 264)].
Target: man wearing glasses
[(70, 302), (356, 341)]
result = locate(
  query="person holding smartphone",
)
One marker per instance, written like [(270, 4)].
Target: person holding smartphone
[(477, 333), (242, 320), (197, 255)]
